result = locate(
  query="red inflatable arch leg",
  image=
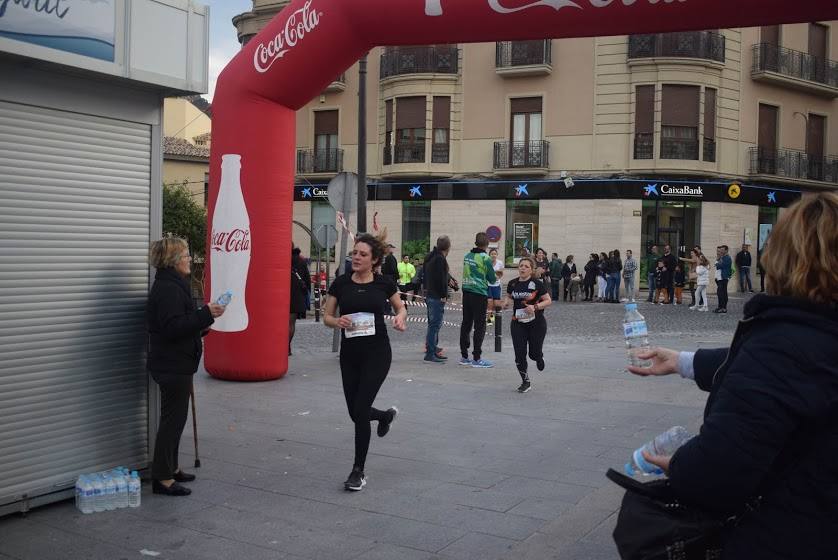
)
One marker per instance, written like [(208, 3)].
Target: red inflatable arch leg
[(297, 54)]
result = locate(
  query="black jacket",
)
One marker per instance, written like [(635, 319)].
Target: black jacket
[(567, 270), (174, 325), (670, 261), (743, 258), (390, 268), (436, 274), (771, 430)]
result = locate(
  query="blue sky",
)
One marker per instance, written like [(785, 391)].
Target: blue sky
[(223, 42)]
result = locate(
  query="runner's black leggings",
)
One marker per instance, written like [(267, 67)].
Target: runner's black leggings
[(364, 364), (528, 334)]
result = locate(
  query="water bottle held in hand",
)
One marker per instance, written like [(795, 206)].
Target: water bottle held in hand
[(637, 335), (224, 299), (666, 443)]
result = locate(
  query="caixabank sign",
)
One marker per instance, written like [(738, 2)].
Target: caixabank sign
[(646, 189)]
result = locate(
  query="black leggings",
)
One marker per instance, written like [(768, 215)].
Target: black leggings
[(531, 334), (589, 291), (174, 408), (474, 313), (721, 291), (363, 368)]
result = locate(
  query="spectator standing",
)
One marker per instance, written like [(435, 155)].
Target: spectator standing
[(660, 282), (406, 272), (651, 265), (494, 288), (478, 273), (435, 282), (629, 270), (670, 261), (555, 276), (702, 280), (590, 277), (616, 268), (390, 266), (568, 269), (723, 272), (743, 265), (680, 281), (602, 274), (299, 263), (416, 282)]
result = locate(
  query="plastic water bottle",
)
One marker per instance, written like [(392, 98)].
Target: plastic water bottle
[(98, 493), (121, 490), (224, 299), (666, 443), (87, 497), (637, 335), (134, 490), (110, 492)]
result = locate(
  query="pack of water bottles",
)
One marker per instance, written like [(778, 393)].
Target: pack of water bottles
[(108, 490)]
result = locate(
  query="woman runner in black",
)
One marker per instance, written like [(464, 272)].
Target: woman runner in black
[(365, 347), (528, 297)]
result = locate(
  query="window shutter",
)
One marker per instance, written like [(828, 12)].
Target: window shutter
[(325, 122), (526, 105), (388, 115), (442, 112), (645, 110), (710, 113), (767, 127), (770, 34), (410, 112), (680, 106)]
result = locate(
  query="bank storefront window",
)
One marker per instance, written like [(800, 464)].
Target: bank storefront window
[(416, 228), (521, 229), (676, 223), (767, 220), (322, 214)]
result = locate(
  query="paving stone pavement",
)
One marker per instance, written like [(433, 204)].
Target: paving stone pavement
[(470, 469)]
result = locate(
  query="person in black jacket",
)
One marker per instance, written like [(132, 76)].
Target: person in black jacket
[(568, 269), (299, 289), (590, 276), (436, 281), (771, 421), (669, 262), (743, 265), (175, 328), (300, 265)]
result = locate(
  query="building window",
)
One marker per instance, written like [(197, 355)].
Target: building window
[(416, 228), (322, 214), (521, 229), (388, 132), (709, 144), (644, 122), (441, 145), (815, 131), (679, 122), (410, 130), (766, 156), (325, 142), (525, 132)]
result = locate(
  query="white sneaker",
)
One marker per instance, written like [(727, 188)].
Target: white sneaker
[(692, 308), (703, 309)]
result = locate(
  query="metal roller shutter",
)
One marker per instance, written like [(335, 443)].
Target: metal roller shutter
[(74, 233)]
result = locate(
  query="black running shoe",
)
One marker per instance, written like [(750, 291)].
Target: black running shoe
[(539, 363), (174, 489), (384, 425), (356, 480), (525, 387)]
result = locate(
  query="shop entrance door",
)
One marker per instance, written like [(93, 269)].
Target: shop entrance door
[(671, 237)]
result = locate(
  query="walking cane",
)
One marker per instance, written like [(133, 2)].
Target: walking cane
[(194, 426)]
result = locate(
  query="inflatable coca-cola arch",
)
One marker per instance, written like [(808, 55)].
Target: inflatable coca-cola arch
[(298, 54)]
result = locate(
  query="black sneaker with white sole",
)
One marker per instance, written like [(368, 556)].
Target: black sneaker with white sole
[(384, 425), (539, 363), (525, 387), (356, 481)]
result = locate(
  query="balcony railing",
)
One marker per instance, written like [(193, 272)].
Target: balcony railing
[(419, 60), (439, 153), (515, 155), (522, 53), (338, 84), (795, 64), (409, 153), (794, 164), (388, 155), (688, 44), (644, 145), (709, 149), (319, 161), (679, 148)]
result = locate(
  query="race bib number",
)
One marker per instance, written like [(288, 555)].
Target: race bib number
[(363, 324), (522, 316)]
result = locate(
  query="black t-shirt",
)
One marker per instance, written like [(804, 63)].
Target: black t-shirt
[(367, 298), (525, 293)]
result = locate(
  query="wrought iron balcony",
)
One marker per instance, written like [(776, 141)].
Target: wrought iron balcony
[(441, 59), (521, 155), (779, 64), (709, 149), (409, 153), (319, 161), (644, 145), (687, 44), (439, 153), (679, 148), (794, 164), (338, 84), (520, 58)]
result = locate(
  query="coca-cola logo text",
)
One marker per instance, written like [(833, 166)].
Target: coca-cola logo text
[(231, 241), (434, 7), (297, 26)]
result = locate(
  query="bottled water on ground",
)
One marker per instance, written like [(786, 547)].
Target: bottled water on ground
[(224, 299), (637, 335), (110, 492), (98, 494), (121, 491), (134, 490), (666, 443)]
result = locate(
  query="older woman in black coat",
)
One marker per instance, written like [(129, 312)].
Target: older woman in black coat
[(771, 420), (175, 327)]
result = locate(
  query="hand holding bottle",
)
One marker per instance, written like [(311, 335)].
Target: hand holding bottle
[(664, 362), (216, 310)]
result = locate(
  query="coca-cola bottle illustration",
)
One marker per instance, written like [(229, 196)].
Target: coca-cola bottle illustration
[(230, 247)]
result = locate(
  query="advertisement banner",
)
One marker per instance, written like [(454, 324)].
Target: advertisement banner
[(522, 241), (84, 27)]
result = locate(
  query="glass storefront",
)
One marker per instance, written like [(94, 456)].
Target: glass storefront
[(676, 223), (416, 228), (322, 214), (521, 229), (767, 219)]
